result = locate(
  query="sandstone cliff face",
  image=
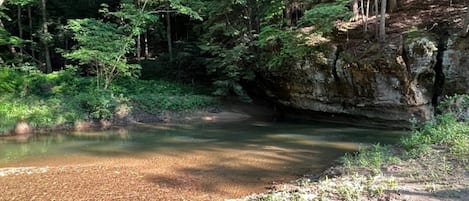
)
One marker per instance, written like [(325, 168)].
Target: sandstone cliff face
[(455, 66), (382, 83)]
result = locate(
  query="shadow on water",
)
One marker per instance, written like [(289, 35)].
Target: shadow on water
[(182, 138)]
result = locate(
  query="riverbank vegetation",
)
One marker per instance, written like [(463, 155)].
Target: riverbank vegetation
[(430, 163), (61, 99)]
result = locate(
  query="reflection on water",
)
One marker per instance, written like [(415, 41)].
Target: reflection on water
[(181, 137)]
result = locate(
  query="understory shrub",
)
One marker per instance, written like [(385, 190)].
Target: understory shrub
[(63, 97), (449, 129)]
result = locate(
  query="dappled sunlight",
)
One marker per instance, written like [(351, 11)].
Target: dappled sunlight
[(218, 159)]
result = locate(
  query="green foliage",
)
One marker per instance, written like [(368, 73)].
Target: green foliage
[(285, 46), (444, 131), (230, 47), (324, 15), (155, 96), (180, 6), (371, 158), (458, 105), (62, 98), (11, 81), (107, 56)]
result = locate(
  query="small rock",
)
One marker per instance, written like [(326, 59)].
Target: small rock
[(23, 128)]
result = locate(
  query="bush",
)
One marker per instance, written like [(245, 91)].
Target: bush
[(447, 130), (61, 98)]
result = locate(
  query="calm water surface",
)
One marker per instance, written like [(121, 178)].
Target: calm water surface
[(239, 158)]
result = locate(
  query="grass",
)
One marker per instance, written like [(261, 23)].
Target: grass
[(62, 98)]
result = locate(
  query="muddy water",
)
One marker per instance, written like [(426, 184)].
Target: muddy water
[(217, 159)]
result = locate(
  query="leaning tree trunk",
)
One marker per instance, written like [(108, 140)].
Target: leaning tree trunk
[(382, 22)]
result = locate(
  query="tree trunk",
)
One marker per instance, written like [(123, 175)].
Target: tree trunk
[(20, 27), (33, 52), (46, 32), (355, 10), (392, 5), (367, 14), (146, 45), (362, 12), (465, 27), (168, 36), (1, 2), (382, 22), (139, 47), (376, 19)]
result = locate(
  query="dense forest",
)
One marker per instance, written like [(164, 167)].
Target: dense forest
[(58, 54)]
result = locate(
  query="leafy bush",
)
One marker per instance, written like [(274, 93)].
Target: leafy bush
[(450, 129), (445, 130), (322, 16), (10, 81)]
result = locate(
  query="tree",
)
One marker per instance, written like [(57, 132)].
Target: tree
[(382, 22), (356, 12), (465, 27), (46, 37), (107, 57), (392, 5), (104, 45)]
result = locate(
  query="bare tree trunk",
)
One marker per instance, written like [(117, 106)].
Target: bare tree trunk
[(376, 19), (355, 10), (367, 14), (382, 22), (45, 43), (146, 46), (168, 36), (465, 27), (1, 2), (33, 52), (139, 47), (20, 27), (362, 12), (392, 5)]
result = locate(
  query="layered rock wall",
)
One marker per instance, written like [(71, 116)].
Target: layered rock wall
[(383, 82)]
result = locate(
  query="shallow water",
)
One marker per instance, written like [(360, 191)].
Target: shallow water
[(231, 159)]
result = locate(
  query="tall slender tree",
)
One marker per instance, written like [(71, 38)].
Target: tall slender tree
[(382, 22), (45, 40)]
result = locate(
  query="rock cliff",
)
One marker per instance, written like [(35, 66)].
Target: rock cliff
[(455, 66), (385, 82)]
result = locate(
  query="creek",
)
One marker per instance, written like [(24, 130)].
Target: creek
[(226, 159)]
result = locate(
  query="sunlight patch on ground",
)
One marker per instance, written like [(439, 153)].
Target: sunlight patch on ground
[(22, 170)]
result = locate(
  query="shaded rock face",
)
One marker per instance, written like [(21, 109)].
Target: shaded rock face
[(455, 66), (383, 83)]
